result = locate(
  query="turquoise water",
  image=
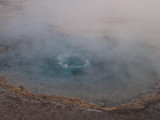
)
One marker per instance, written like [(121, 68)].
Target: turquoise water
[(64, 66)]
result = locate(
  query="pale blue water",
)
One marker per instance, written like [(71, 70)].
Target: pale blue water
[(83, 73)]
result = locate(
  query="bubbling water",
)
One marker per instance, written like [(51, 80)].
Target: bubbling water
[(72, 61), (64, 65)]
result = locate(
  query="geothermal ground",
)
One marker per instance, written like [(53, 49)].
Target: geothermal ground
[(20, 104)]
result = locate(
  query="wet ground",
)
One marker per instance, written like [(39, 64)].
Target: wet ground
[(17, 107)]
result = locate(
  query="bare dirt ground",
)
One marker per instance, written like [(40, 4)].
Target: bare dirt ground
[(14, 106)]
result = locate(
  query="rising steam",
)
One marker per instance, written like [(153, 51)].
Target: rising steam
[(114, 45)]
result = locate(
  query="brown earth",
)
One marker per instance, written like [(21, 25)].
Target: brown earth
[(4, 48), (20, 104)]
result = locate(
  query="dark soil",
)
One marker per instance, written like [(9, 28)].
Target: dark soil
[(19, 107)]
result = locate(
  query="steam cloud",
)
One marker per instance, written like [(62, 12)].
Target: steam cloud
[(122, 35)]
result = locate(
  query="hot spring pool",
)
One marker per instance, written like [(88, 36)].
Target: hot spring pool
[(96, 76), (99, 52)]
